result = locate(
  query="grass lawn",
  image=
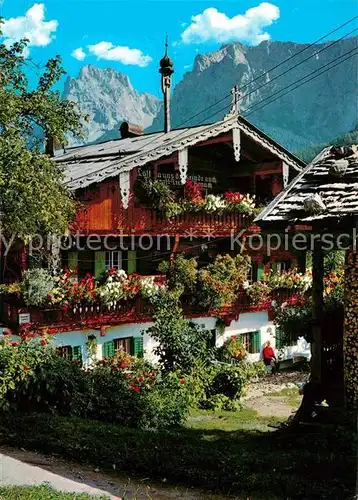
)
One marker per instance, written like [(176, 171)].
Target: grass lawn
[(292, 396), (41, 493), (231, 453)]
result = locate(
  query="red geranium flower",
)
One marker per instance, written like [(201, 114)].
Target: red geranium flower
[(15, 344), (76, 361), (6, 332), (26, 368), (43, 341), (182, 381)]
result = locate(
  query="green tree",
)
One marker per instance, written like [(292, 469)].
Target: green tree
[(180, 342), (33, 198)]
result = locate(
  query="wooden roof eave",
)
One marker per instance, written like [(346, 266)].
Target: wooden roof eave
[(141, 158), (262, 217)]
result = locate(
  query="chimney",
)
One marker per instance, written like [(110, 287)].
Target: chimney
[(50, 146), (130, 130)]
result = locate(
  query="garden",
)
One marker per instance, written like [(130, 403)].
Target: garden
[(184, 419)]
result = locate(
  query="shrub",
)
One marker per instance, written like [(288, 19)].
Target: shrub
[(220, 281), (232, 348), (35, 378), (218, 402), (123, 390), (230, 381), (258, 292), (36, 286), (213, 384), (182, 272)]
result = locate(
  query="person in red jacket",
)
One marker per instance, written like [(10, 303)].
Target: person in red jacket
[(270, 357)]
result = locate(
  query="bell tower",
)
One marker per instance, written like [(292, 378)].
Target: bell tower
[(166, 70)]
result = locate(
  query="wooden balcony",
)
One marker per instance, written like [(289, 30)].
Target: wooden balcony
[(55, 319), (112, 220)]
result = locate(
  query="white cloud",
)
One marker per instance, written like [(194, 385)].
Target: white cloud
[(31, 26), (79, 54), (125, 55), (214, 25)]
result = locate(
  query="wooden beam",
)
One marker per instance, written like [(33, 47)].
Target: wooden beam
[(301, 262), (317, 313), (216, 140)]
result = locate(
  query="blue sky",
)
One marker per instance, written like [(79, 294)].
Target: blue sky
[(129, 35)]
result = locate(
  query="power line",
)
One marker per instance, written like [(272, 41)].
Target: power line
[(340, 61), (278, 65), (284, 88), (273, 79), (298, 64)]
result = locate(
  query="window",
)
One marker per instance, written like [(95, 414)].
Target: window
[(35, 260), (85, 263), (72, 353), (114, 260), (65, 351), (282, 266), (246, 339), (251, 341), (130, 345), (124, 345), (252, 273)]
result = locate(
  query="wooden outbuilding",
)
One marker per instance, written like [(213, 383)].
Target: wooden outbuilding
[(319, 211)]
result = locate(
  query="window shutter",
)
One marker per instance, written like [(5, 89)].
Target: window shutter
[(275, 267), (108, 349), (99, 263), (260, 271), (278, 338), (77, 353), (132, 261), (256, 341), (138, 349), (72, 260)]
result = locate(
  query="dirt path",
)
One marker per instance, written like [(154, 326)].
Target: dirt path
[(260, 398), (271, 406), (20, 467)]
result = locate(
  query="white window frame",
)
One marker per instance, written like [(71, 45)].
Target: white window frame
[(111, 257)]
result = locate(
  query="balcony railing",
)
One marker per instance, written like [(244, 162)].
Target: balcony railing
[(140, 220), (137, 310)]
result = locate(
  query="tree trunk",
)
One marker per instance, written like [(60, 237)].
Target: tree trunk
[(317, 314)]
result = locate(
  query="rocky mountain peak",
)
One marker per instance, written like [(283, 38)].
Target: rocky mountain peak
[(108, 98)]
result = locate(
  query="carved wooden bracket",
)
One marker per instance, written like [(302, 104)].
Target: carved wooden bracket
[(183, 164), (236, 139), (124, 185), (285, 174)]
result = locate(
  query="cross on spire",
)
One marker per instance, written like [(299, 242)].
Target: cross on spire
[(236, 95)]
